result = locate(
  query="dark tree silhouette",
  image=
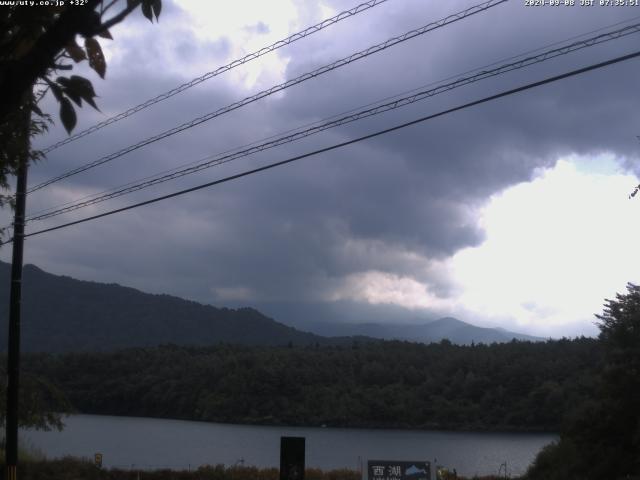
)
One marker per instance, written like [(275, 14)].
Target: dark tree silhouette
[(602, 438), (38, 42)]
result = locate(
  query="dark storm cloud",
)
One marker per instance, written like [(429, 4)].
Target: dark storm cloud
[(392, 204)]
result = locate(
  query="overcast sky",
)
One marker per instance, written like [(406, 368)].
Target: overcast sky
[(512, 213)]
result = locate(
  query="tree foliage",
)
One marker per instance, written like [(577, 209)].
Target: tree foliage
[(42, 404), (513, 386), (601, 438), (36, 43)]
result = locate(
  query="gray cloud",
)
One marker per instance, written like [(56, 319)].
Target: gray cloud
[(406, 200)]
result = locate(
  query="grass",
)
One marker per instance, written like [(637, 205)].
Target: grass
[(26, 453), (70, 468)]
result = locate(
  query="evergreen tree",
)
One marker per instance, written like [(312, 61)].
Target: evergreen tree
[(602, 438)]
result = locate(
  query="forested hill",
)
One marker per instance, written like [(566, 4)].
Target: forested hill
[(62, 314), (509, 386)]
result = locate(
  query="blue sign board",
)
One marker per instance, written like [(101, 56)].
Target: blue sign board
[(392, 470)]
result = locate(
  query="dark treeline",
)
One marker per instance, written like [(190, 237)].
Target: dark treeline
[(512, 386)]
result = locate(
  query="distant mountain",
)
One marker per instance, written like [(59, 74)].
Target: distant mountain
[(452, 329), (62, 314)]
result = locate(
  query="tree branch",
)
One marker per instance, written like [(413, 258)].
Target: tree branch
[(117, 18)]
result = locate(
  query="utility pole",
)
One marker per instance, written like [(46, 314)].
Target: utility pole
[(13, 360)]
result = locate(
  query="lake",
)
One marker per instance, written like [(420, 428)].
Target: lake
[(148, 443)]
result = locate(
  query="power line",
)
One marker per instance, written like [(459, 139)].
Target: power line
[(344, 144), (396, 96), (220, 159), (247, 58), (618, 33), (344, 61), (307, 76)]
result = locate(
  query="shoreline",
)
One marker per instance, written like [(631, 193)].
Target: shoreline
[(427, 428), (147, 442)]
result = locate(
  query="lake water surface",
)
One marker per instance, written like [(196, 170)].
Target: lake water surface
[(146, 443)]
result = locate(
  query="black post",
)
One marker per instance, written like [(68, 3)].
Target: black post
[(292, 450), (13, 360)]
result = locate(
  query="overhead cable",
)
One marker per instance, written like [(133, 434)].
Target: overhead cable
[(220, 159), (225, 68), (302, 78), (343, 144)]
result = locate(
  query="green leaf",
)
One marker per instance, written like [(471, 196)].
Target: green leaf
[(63, 81), (146, 9), (73, 96), (57, 91), (75, 51), (69, 90), (67, 115), (83, 88), (105, 34), (156, 6), (83, 85), (77, 89), (90, 25), (96, 58)]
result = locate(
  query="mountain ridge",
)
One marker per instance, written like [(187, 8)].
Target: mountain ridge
[(61, 314), (408, 326), (64, 314)]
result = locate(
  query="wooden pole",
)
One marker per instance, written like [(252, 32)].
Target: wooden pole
[(13, 358)]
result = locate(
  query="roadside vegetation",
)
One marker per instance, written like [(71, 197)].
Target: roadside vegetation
[(81, 469), (600, 438), (70, 468)]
